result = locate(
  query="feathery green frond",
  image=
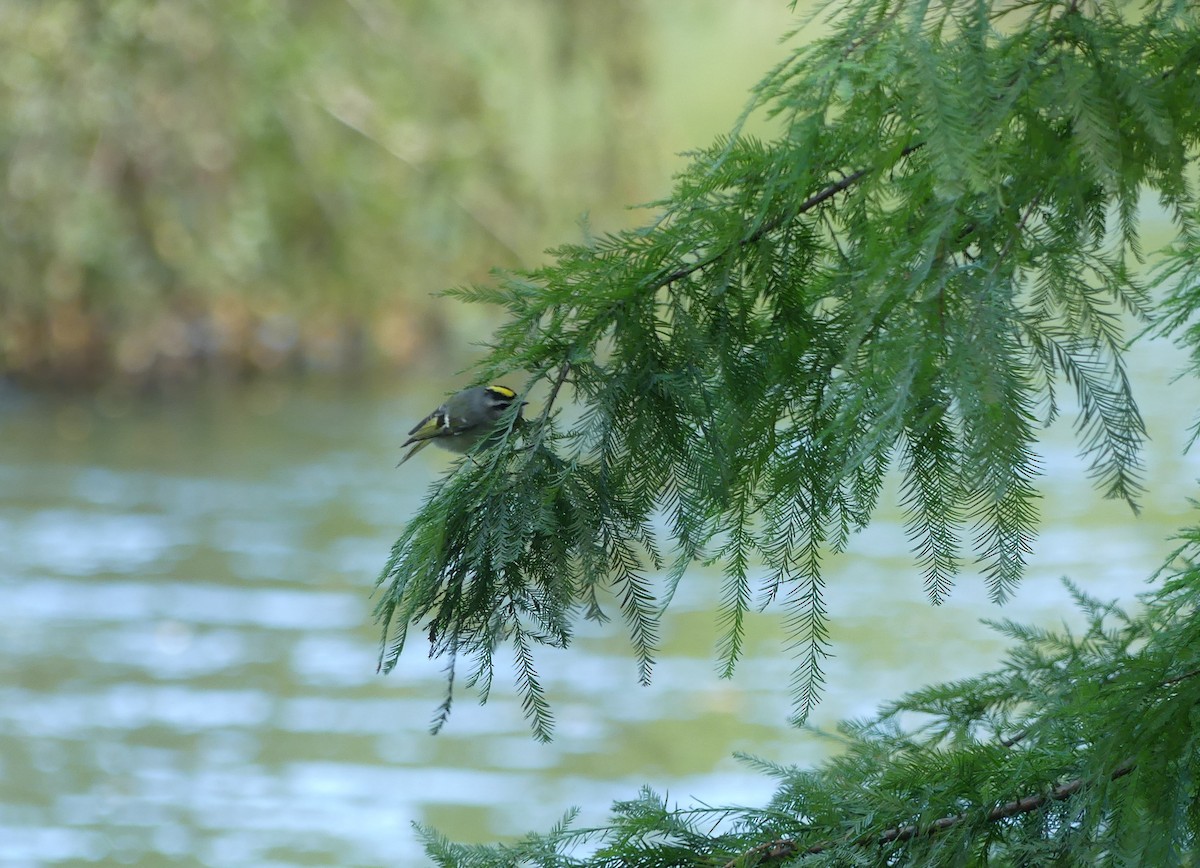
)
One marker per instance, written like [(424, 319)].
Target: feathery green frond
[(933, 241), (1077, 750)]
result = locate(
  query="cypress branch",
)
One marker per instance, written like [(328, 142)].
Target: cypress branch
[(934, 242), (785, 849)]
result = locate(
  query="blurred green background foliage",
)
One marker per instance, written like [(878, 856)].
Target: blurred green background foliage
[(199, 189)]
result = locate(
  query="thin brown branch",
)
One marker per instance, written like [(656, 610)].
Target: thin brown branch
[(1020, 736), (1016, 738), (884, 22), (783, 849), (563, 370), (1191, 673), (771, 225)]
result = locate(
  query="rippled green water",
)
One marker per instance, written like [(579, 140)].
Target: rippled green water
[(187, 657)]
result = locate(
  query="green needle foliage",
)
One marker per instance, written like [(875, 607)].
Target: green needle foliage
[(1081, 750), (943, 235)]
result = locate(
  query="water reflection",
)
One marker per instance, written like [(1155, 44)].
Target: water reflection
[(187, 659)]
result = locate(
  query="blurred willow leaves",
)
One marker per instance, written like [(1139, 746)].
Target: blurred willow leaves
[(253, 184)]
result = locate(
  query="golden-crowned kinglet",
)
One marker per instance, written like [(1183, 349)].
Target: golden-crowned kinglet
[(461, 422)]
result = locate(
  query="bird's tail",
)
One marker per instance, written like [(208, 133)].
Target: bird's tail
[(417, 447)]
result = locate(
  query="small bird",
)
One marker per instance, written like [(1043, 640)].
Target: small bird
[(462, 421)]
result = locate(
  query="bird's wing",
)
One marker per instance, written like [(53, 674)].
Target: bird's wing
[(431, 426)]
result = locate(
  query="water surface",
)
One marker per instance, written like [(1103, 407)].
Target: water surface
[(187, 655)]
